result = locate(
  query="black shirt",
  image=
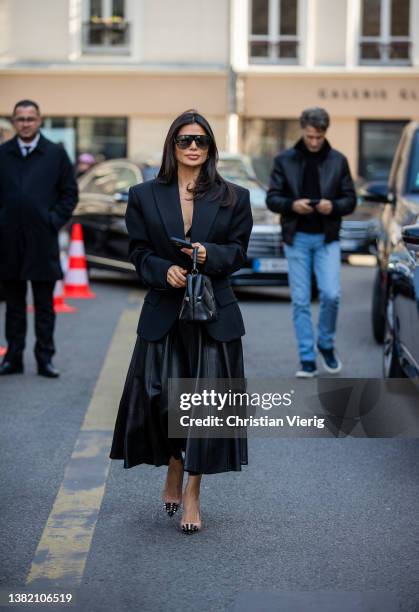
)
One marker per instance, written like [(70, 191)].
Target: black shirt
[(311, 224)]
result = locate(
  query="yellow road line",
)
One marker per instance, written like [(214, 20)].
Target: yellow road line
[(101, 413), (65, 542)]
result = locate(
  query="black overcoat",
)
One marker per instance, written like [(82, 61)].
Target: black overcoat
[(153, 215), (37, 196)]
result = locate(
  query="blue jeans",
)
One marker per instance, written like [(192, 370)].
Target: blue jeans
[(309, 252)]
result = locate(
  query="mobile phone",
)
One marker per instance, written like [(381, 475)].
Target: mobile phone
[(181, 243), (314, 202)]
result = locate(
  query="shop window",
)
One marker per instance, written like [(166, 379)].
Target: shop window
[(273, 34), (105, 28), (62, 130), (385, 32), (103, 137), (378, 142), (263, 138)]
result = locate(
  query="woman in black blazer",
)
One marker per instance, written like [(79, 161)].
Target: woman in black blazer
[(189, 200)]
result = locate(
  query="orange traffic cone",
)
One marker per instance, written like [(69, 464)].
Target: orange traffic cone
[(59, 304), (76, 282)]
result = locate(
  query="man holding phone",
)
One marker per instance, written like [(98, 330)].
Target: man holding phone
[(311, 188)]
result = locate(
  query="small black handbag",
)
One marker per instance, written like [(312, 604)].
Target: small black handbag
[(198, 302)]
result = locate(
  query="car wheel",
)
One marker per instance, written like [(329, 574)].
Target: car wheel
[(391, 362), (378, 318)]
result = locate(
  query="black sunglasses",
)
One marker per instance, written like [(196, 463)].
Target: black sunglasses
[(184, 141)]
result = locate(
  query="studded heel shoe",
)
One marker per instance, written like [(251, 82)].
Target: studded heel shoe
[(193, 527), (189, 528), (171, 507)]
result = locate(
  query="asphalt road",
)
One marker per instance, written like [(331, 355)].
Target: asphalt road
[(330, 521)]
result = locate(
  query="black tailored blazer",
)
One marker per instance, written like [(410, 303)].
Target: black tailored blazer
[(153, 215), (37, 196)]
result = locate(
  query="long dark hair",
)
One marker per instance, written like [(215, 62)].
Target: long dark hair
[(208, 176)]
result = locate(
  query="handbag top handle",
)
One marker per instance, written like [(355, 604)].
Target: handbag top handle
[(195, 260)]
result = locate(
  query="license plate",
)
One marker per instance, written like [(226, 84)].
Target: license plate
[(270, 265)]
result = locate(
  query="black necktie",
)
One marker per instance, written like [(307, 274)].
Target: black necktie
[(27, 149)]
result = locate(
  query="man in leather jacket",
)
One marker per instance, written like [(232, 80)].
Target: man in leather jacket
[(311, 188)]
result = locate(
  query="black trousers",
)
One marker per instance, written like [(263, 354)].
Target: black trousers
[(15, 292)]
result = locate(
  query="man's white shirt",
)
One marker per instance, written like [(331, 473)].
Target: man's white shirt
[(23, 146)]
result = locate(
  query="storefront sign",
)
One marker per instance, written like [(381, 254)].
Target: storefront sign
[(366, 94)]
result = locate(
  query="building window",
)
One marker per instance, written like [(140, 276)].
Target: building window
[(262, 139), (103, 137), (378, 142), (273, 36), (62, 130), (385, 32), (105, 28)]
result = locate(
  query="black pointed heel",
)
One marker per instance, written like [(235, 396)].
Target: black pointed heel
[(171, 508)]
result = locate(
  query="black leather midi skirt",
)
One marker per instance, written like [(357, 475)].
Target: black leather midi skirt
[(141, 428)]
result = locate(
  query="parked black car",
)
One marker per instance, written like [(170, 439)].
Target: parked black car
[(401, 338), (359, 230), (400, 207), (102, 205)]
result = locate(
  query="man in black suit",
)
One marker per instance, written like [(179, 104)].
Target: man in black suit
[(38, 193)]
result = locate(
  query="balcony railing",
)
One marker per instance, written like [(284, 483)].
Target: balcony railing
[(396, 52), (106, 37)]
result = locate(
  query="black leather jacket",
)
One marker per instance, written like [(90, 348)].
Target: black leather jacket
[(285, 186)]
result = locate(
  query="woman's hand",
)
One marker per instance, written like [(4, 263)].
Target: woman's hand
[(202, 252), (176, 277)]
